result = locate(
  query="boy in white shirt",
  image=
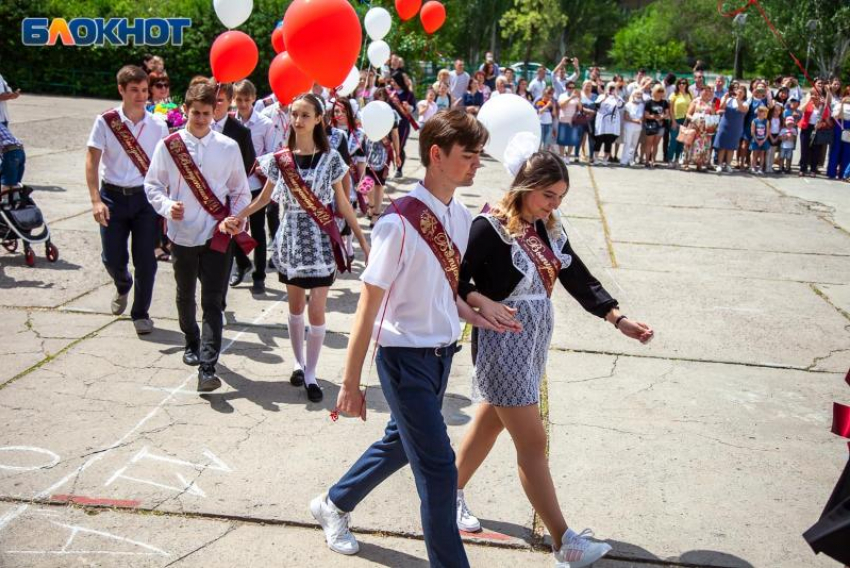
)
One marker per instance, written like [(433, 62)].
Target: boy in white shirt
[(196, 180), (118, 157), (262, 137)]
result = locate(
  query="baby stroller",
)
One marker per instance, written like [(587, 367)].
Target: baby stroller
[(20, 218)]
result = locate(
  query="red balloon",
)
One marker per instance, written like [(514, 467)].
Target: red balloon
[(407, 9), (286, 79), (233, 57), (324, 38), (433, 16), (277, 40)]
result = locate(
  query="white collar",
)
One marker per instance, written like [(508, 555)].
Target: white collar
[(203, 141), (220, 123), (124, 118), (426, 197)]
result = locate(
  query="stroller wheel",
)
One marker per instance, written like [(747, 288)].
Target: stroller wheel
[(29, 257), (52, 252), (11, 245)]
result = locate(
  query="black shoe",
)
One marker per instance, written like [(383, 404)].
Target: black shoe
[(271, 265), (297, 378), (207, 381), (238, 275), (398, 174), (258, 287), (314, 393), (191, 357)]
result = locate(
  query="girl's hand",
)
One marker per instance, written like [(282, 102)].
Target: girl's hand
[(500, 316), (636, 330)]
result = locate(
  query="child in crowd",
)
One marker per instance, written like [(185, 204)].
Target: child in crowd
[(545, 107), (788, 142), (775, 124), (759, 132)]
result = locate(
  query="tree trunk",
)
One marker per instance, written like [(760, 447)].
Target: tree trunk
[(528, 46)]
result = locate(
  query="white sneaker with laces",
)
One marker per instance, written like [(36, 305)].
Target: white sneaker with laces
[(466, 521), (335, 525), (578, 551)]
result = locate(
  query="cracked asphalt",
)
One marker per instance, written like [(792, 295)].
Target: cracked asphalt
[(709, 447)]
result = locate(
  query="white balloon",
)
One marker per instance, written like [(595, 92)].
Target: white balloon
[(504, 117), (377, 23), (233, 13), (378, 120), (350, 83), (378, 52)]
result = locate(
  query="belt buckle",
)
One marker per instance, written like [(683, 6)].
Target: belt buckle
[(437, 352)]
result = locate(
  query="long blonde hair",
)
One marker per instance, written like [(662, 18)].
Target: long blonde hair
[(541, 170)]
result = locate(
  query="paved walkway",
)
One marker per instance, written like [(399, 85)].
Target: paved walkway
[(709, 447)]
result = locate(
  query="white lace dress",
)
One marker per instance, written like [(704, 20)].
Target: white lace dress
[(302, 251), (509, 366)]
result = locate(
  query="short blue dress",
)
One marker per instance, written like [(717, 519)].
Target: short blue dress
[(761, 134)]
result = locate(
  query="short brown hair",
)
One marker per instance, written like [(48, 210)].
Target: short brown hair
[(245, 88), (450, 127), (131, 74), (200, 92), (197, 79)]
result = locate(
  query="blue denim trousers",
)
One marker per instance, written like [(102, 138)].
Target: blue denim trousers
[(414, 382), (12, 168)]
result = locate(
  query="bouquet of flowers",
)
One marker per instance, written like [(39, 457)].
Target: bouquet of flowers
[(171, 113)]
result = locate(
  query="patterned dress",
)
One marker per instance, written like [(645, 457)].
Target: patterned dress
[(509, 366), (302, 251)]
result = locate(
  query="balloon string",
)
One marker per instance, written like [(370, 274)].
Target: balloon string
[(770, 26)]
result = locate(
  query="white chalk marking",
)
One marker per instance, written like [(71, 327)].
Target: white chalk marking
[(54, 459), (219, 464), (15, 513), (75, 530)]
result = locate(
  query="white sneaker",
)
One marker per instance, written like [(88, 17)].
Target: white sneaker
[(719, 169), (579, 551), (466, 521), (335, 525)]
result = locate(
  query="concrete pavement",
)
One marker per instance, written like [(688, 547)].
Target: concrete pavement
[(708, 447)]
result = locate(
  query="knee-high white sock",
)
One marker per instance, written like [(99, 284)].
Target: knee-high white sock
[(296, 337), (315, 339)]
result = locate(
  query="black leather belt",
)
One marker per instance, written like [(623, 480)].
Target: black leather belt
[(123, 190)]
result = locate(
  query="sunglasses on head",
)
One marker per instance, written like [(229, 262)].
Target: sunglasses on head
[(161, 85)]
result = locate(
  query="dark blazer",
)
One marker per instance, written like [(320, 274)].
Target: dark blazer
[(242, 136)]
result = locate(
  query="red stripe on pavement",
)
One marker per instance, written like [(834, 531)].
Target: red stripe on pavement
[(81, 500), (487, 535)]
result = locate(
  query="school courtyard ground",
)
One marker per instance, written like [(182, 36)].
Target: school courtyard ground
[(708, 447)]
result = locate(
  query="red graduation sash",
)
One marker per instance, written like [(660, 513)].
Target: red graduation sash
[(129, 142), (203, 193), (403, 111), (318, 211), (547, 264), (434, 234)]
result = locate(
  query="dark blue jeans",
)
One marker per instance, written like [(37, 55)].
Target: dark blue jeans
[(130, 215), (414, 383), (12, 168)]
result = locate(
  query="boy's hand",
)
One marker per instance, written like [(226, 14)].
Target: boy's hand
[(177, 211)]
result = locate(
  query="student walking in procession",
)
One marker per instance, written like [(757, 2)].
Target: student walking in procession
[(409, 300), (120, 145), (196, 181)]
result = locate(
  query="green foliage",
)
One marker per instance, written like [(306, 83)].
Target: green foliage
[(644, 43)]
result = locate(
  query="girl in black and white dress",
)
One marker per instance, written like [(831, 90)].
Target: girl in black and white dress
[(303, 253), (510, 366)]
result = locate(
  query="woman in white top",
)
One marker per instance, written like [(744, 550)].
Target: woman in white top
[(608, 122), (632, 127), (839, 153), (427, 107), (569, 135)]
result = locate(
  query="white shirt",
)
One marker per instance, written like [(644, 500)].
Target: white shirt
[(220, 161), (692, 89), (561, 86), (4, 88), (116, 167), (261, 105), (262, 136), (458, 85), (280, 123), (218, 125), (536, 88), (421, 309)]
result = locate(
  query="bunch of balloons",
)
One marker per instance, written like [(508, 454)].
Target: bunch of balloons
[(432, 14)]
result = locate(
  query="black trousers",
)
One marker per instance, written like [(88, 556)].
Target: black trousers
[(606, 140), (257, 224), (810, 156), (193, 264)]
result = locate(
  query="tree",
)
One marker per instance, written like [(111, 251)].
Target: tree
[(532, 22)]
